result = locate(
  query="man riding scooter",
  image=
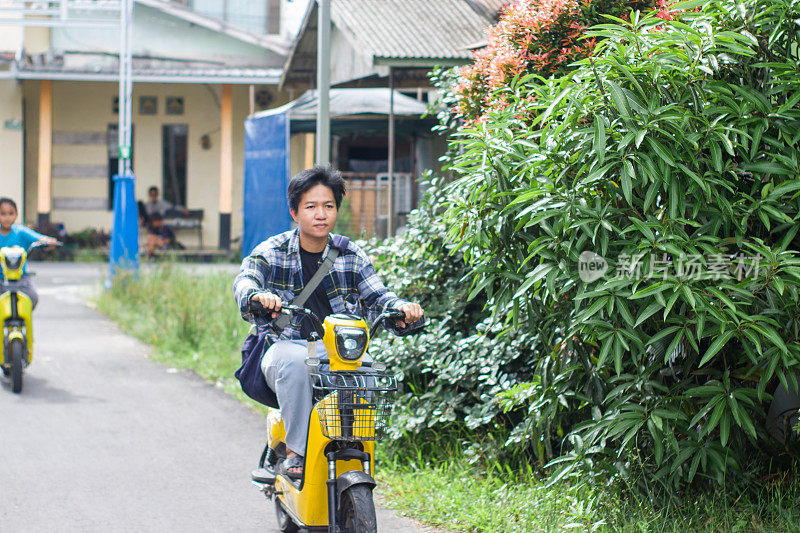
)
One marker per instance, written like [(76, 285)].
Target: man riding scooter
[(274, 368)]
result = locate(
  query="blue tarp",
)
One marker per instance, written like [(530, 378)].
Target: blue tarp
[(266, 176)]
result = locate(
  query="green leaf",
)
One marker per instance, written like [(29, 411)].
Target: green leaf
[(661, 334), (619, 98), (673, 345), (768, 332), (604, 351), (538, 273), (724, 429), (649, 311), (658, 439), (662, 152), (687, 292), (643, 228), (716, 346), (599, 138), (595, 307), (716, 156), (651, 289), (769, 168), (625, 180), (546, 115)]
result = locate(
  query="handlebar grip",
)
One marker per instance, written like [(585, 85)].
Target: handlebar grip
[(255, 307)]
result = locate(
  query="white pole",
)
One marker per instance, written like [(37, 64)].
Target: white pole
[(125, 87), (323, 140)]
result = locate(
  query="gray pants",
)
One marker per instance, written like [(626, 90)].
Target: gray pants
[(24, 284), (284, 368)]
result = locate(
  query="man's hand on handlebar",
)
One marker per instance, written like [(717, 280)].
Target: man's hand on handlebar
[(413, 313), (268, 301)]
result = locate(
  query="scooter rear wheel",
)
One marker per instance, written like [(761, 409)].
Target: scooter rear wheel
[(357, 511), (285, 522), (17, 352)]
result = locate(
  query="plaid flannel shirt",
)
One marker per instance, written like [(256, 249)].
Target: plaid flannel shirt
[(352, 285)]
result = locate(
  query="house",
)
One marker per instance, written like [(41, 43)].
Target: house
[(394, 44), (199, 68), (371, 39)]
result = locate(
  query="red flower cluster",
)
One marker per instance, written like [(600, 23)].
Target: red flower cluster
[(540, 36), (665, 10), (533, 36)]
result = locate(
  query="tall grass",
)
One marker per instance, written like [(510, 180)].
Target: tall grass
[(192, 322), (459, 497)]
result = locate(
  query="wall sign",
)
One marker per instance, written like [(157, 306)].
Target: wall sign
[(174, 105)]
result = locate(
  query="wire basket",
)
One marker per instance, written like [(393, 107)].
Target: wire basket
[(353, 406)]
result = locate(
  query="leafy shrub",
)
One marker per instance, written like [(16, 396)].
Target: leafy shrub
[(87, 238), (453, 370), (672, 153)]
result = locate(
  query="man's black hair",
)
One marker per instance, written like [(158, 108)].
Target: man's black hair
[(10, 202), (151, 189), (316, 175)]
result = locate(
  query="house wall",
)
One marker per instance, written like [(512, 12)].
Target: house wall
[(10, 36), (82, 112), (246, 14), (11, 148), (157, 34)]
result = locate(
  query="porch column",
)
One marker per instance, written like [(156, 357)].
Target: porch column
[(225, 168), (44, 201)]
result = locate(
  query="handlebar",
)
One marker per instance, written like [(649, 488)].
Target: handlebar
[(39, 244), (257, 309)]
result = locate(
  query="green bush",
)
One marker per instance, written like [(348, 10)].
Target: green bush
[(673, 154)]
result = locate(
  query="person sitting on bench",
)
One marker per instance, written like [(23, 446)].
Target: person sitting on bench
[(159, 235)]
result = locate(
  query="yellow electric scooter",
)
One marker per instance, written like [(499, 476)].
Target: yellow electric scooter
[(15, 315), (350, 413)]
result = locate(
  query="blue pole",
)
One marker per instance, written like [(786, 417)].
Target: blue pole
[(124, 251)]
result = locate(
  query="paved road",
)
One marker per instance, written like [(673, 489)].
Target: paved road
[(104, 439)]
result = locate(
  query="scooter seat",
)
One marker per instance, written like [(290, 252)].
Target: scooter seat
[(265, 476)]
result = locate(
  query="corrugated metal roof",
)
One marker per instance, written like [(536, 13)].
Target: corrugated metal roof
[(415, 28)]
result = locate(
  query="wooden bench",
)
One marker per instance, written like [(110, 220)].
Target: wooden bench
[(191, 219)]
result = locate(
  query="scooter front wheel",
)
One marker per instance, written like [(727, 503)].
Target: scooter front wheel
[(357, 510), (17, 352), (285, 522)]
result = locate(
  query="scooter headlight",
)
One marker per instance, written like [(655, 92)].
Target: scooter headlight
[(12, 257), (351, 343)]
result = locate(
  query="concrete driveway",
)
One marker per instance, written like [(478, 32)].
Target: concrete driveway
[(104, 439)]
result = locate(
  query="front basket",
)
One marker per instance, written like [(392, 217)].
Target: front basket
[(353, 406)]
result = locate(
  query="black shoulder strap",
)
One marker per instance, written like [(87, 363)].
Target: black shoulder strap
[(283, 320)]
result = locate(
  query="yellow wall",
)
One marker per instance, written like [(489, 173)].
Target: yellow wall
[(87, 107), (301, 148), (37, 40), (11, 142)]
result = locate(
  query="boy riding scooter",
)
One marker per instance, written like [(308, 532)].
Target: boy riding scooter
[(17, 235), (274, 368)]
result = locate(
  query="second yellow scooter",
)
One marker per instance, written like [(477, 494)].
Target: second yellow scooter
[(16, 309)]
